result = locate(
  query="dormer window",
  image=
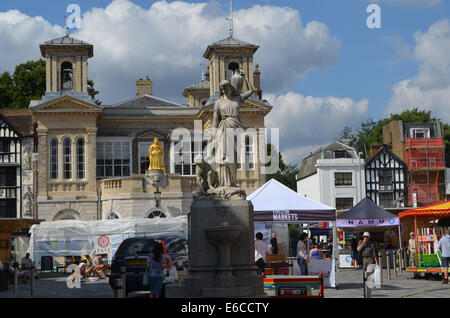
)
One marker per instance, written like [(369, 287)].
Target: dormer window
[(66, 76), (421, 133), (341, 154)]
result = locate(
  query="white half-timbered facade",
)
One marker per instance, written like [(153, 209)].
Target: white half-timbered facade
[(386, 179)]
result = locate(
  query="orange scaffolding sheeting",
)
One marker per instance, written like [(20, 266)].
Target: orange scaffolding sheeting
[(424, 153)]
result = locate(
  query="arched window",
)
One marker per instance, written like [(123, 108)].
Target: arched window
[(156, 214), (67, 159), (112, 215), (53, 159), (81, 159), (66, 76), (231, 67)]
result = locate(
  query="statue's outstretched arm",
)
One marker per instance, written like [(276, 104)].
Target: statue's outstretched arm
[(251, 90)]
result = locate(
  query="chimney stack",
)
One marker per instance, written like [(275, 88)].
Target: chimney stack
[(144, 86), (257, 81)]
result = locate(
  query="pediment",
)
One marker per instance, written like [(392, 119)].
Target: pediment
[(66, 104), (144, 101)]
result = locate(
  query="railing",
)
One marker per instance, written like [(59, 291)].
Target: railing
[(420, 142), (67, 186)]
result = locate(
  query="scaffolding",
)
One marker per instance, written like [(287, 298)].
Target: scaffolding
[(426, 166)]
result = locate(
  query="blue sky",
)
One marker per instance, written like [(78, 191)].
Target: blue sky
[(369, 62)]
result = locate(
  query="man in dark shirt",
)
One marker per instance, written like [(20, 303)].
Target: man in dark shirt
[(274, 244), (367, 249)]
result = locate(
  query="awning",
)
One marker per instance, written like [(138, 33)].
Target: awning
[(439, 210), (274, 202), (366, 214)]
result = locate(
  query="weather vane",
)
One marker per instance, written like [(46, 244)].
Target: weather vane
[(230, 20), (67, 26)]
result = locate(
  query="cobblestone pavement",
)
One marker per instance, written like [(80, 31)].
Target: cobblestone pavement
[(349, 286)]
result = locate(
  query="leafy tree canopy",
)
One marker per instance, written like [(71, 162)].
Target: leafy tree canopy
[(25, 84)]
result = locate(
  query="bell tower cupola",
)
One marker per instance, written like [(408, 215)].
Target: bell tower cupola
[(66, 64)]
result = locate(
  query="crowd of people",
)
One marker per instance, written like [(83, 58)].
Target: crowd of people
[(315, 252), (23, 268)]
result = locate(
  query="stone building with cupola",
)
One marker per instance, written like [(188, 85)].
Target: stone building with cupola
[(92, 158)]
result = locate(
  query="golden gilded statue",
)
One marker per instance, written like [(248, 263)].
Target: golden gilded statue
[(155, 154)]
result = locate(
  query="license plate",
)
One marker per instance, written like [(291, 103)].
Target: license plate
[(137, 262)]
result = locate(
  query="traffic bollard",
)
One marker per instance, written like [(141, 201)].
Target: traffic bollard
[(405, 258), (394, 262), (119, 285), (367, 290), (124, 282), (15, 281), (381, 267), (388, 264), (32, 282)]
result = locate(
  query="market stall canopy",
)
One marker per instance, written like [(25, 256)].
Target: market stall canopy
[(274, 202), (366, 214), (439, 210), (77, 238)]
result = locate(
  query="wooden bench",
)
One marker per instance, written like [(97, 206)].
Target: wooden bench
[(277, 263)]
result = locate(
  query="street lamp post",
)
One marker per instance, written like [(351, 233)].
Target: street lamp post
[(157, 197)]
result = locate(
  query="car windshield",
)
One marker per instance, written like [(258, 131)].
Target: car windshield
[(136, 246)]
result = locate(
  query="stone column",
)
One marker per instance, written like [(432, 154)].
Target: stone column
[(74, 160), (84, 85), (54, 70), (60, 160), (91, 159), (43, 157)]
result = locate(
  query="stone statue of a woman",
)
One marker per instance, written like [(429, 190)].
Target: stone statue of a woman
[(226, 121)]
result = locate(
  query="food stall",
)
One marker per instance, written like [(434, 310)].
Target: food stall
[(429, 222), (366, 216), (273, 202)]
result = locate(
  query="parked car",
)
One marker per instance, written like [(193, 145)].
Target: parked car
[(132, 254)]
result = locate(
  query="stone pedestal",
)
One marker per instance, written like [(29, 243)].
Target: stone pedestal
[(221, 252)]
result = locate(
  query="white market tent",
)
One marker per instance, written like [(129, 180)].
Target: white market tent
[(77, 238), (273, 202)]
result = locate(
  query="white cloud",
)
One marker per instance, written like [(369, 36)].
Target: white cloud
[(307, 121), (20, 37), (167, 40), (430, 89)]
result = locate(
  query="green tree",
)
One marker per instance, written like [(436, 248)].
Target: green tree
[(371, 132), (6, 90), (286, 174), (28, 83), (93, 92)]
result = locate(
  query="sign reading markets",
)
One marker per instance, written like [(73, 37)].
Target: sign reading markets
[(367, 222)]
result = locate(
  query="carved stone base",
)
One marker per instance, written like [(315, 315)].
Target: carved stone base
[(205, 275), (224, 193)]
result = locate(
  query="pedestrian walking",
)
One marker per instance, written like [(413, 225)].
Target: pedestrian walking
[(354, 253), (156, 262), (444, 247), (302, 254), (260, 253), (411, 250), (367, 249)]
